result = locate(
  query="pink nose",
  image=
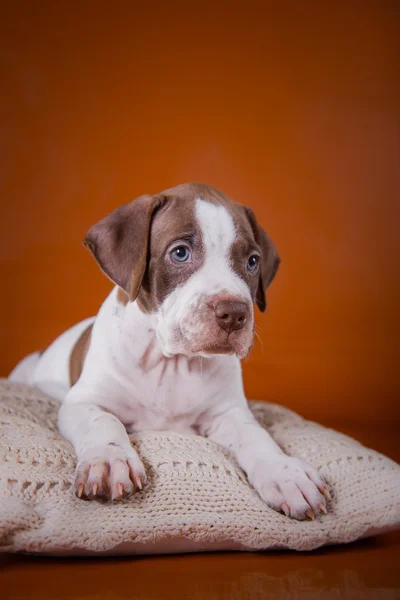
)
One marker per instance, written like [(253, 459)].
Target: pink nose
[(231, 314)]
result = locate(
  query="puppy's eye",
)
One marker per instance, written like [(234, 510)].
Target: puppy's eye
[(252, 263), (180, 254)]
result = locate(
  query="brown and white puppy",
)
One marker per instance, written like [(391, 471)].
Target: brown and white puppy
[(164, 350)]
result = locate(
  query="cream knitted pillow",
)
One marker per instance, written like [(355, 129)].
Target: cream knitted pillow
[(196, 498)]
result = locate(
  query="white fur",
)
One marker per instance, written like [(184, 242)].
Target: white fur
[(25, 370), (136, 377)]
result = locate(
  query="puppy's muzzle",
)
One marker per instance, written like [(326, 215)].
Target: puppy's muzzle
[(231, 315)]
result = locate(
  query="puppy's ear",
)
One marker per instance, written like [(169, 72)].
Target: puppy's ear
[(120, 242), (269, 259)]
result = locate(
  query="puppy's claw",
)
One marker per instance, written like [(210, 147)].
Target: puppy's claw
[(138, 482), (120, 489), (310, 514), (80, 490), (285, 509), (322, 508), (95, 489), (325, 493)]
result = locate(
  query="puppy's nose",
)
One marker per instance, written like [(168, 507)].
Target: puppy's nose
[(231, 314)]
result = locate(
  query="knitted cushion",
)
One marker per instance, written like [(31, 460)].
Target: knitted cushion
[(197, 497)]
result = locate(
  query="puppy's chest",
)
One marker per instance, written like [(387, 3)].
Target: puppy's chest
[(171, 395)]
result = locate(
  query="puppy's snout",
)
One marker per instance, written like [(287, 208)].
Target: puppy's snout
[(231, 315)]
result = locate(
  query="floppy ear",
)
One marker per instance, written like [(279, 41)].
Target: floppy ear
[(120, 242), (269, 259)]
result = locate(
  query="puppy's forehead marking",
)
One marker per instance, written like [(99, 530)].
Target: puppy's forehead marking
[(217, 227)]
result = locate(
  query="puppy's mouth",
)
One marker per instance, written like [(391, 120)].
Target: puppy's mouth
[(206, 343), (213, 349), (228, 346)]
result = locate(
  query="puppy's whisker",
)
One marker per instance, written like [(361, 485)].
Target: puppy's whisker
[(257, 335), (249, 355)]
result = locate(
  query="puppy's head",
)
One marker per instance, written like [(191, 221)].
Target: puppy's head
[(193, 259)]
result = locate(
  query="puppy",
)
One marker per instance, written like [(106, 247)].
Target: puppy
[(164, 351)]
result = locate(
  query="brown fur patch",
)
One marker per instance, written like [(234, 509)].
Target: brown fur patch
[(270, 259), (119, 242), (78, 355), (174, 221), (122, 297)]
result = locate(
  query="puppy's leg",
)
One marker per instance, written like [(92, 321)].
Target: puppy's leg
[(108, 466), (285, 483)]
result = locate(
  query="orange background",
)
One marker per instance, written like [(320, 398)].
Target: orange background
[(289, 107)]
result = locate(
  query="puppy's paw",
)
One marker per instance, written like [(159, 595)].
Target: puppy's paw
[(111, 472), (291, 486)]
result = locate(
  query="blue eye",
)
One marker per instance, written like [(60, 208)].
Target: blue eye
[(252, 263), (180, 254)]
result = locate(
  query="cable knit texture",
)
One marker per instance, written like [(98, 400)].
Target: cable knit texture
[(196, 498)]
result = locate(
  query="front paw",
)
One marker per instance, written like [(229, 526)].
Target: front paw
[(111, 472), (290, 486)]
